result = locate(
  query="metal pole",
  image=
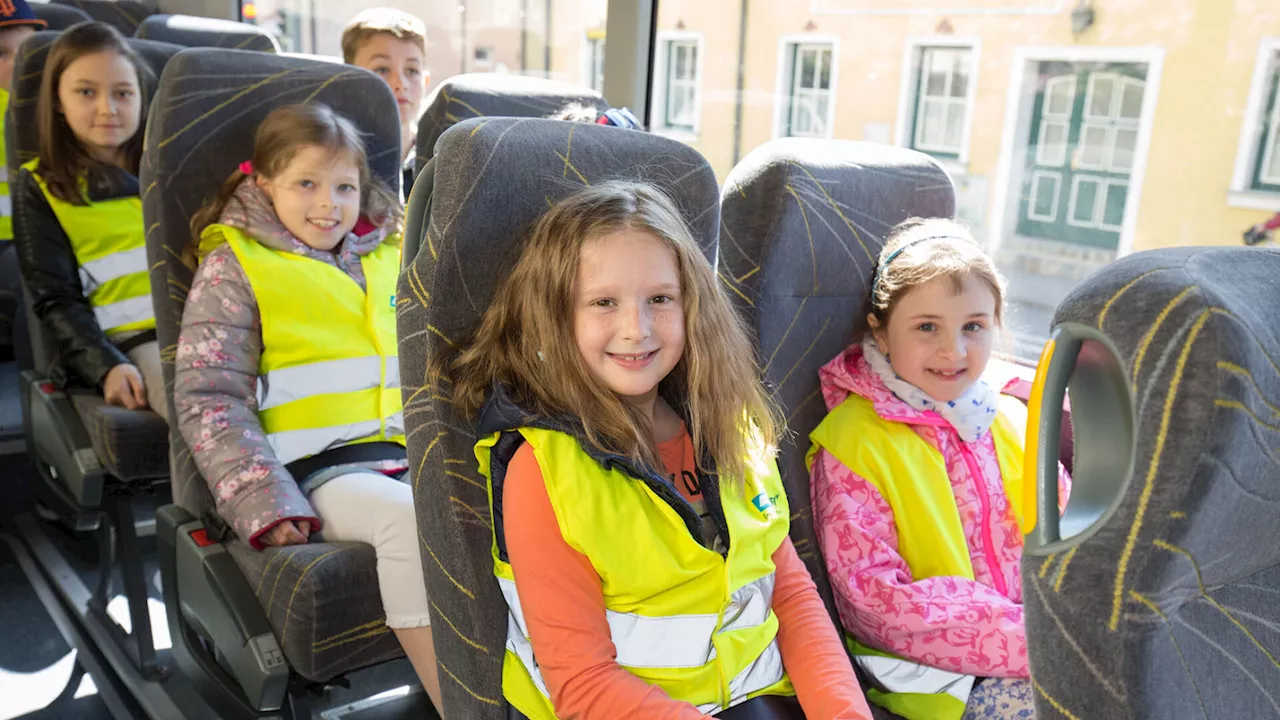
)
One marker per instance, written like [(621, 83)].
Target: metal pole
[(462, 60), (742, 83), (546, 50), (524, 36)]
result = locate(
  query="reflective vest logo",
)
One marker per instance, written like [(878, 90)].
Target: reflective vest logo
[(764, 505), (393, 301)]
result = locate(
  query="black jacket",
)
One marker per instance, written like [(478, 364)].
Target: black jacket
[(51, 274)]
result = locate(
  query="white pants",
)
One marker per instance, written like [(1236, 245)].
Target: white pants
[(373, 508), (146, 357)]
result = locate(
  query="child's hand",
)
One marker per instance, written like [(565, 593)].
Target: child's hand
[(288, 533), (124, 387)]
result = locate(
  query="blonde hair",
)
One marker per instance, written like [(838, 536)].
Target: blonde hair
[(376, 21), (919, 250), (526, 342), (282, 133)]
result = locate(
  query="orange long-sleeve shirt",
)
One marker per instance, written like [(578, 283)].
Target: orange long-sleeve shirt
[(563, 604)]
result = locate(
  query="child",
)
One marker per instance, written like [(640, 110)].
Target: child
[(286, 376), (17, 23), (393, 44), (640, 525), (917, 477), (80, 236)]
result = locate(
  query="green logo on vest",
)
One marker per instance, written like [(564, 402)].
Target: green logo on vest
[(764, 504), (393, 301)]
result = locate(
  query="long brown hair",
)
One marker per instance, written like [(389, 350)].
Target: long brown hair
[(63, 160), (918, 250), (279, 137), (526, 340)]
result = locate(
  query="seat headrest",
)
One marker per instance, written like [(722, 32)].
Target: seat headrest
[(495, 95), (802, 224), (494, 177), (194, 31), (22, 133), (59, 17), (123, 15), (208, 105)]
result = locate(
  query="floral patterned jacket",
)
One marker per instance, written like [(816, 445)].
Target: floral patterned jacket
[(974, 626), (216, 374)]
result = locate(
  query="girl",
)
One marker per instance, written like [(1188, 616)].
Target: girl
[(913, 471), (640, 526), (286, 380), (79, 224)]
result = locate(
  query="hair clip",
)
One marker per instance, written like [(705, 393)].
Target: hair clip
[(246, 167)]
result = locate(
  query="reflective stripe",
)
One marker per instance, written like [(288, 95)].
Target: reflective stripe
[(6, 205), (750, 604), (676, 641), (286, 385), (109, 267), (293, 445), (518, 634), (765, 671), (133, 310), (896, 675)]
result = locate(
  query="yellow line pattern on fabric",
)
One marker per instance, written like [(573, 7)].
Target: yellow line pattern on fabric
[(1062, 570), (470, 692), (1106, 308), (1054, 703), (453, 580), (1162, 436), (1147, 337), (456, 631)]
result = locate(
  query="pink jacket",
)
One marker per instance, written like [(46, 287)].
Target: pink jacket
[(974, 626)]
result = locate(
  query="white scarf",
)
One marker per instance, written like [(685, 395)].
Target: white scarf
[(971, 414)]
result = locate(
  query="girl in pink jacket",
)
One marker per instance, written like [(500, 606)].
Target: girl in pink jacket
[(916, 483)]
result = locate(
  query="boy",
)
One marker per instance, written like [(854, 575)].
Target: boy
[(393, 44)]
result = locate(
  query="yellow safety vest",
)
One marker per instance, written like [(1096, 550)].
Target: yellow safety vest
[(109, 242), (682, 617), (911, 475), (329, 373), (6, 200)]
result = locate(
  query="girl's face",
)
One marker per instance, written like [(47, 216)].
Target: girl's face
[(316, 196), (628, 313), (98, 94), (938, 339)]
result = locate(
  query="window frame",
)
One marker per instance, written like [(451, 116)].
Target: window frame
[(1255, 130), (662, 82), (787, 47), (910, 97), (593, 66)]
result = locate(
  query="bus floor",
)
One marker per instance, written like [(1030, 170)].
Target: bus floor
[(49, 667)]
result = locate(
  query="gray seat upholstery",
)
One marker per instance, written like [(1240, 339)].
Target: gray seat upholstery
[(59, 17), (1166, 605), (492, 95), (491, 182), (322, 599), (802, 222), (123, 15), (195, 31), (130, 444)]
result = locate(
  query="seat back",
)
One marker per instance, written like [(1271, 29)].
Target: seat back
[(493, 179), (194, 31), (22, 136), (493, 95), (59, 17), (123, 15), (802, 223), (1155, 596), (203, 118)]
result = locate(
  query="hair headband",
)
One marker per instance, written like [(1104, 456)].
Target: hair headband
[(875, 284)]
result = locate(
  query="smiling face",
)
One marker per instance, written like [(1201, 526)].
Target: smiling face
[(98, 94), (316, 196), (628, 316), (400, 64), (939, 339)]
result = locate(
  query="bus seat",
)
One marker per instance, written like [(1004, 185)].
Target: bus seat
[(802, 223), (494, 178), (195, 31), (1155, 593), (59, 17), (483, 95), (319, 603), (123, 15), (78, 443)]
